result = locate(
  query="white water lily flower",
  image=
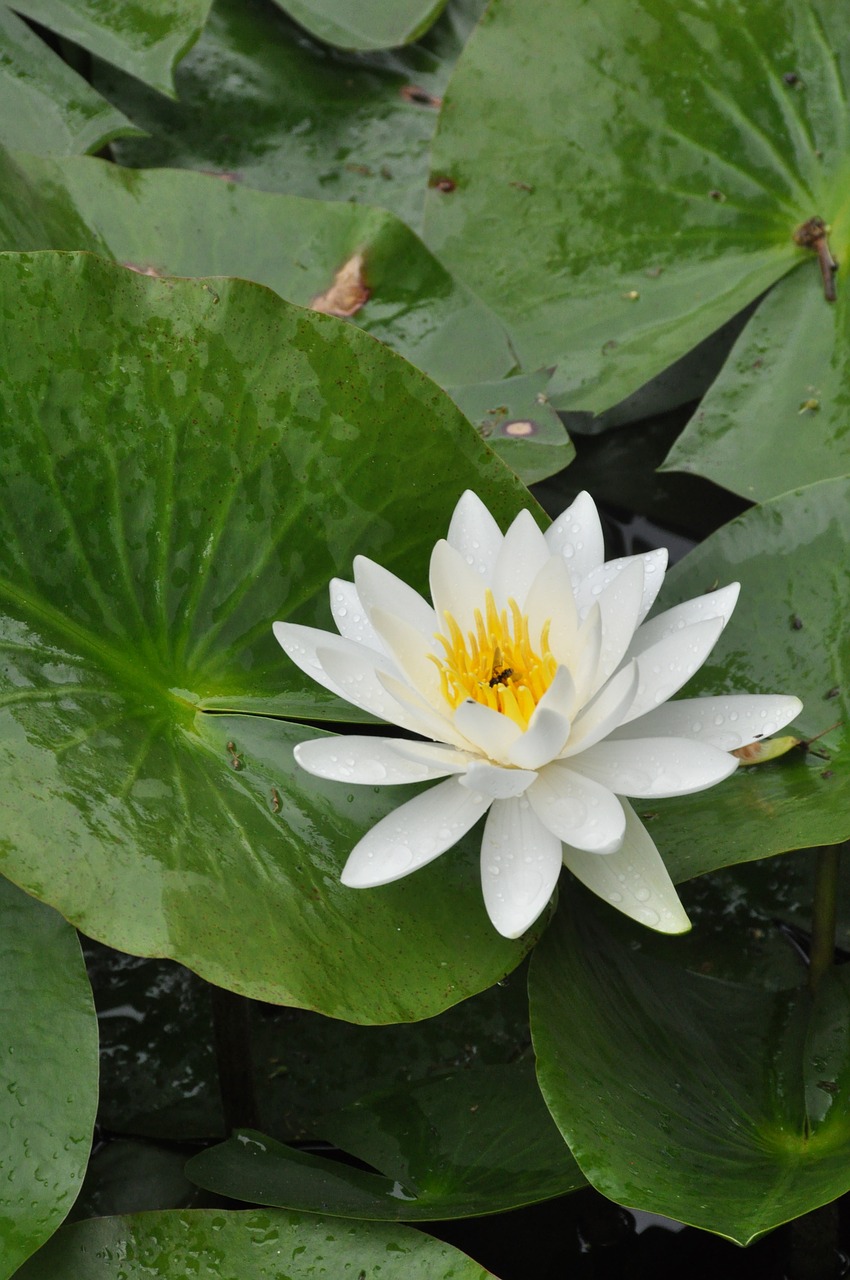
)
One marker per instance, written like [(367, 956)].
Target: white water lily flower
[(542, 694)]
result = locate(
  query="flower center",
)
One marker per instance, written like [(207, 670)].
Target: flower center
[(496, 664)]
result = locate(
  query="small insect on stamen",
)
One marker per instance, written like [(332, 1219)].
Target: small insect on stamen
[(812, 235), (500, 677)]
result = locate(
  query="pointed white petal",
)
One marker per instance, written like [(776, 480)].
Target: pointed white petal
[(542, 741), (620, 605), (521, 557), (715, 604), (377, 588), (520, 864), (665, 667), (492, 732), (725, 722), (357, 677), (412, 654), (605, 712), (419, 716), (654, 564), (413, 835), (369, 761), (578, 810), (302, 645), (577, 536), (551, 600), (652, 768), (455, 588), (585, 661), (437, 755), (634, 879), (350, 616), (497, 783), (474, 533)]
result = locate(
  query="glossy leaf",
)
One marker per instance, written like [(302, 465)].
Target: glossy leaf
[(187, 224), (145, 40), (261, 102), (208, 1244), (365, 24), (516, 419), (166, 495), (46, 106), (776, 418), (659, 196), (788, 634), (48, 1082), (480, 1141), (664, 1109)]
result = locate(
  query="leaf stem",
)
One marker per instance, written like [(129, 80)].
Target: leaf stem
[(232, 1038), (824, 907)]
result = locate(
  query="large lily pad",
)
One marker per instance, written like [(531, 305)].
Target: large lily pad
[(261, 101), (208, 1244), (166, 495), (667, 1112), (470, 1143), (188, 224), (619, 180), (788, 635), (365, 24), (48, 1082)]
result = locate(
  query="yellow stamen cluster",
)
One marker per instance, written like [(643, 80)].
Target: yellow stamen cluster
[(496, 664)]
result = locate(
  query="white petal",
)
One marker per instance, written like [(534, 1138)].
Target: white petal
[(371, 761), (419, 716), (577, 536), (455, 588), (358, 678), (497, 783), (715, 604), (578, 810), (491, 731), (438, 755), (413, 835), (521, 557), (725, 722), (411, 652), (377, 588), (605, 712), (542, 741), (634, 879), (654, 564), (585, 662), (474, 533), (350, 616), (302, 645), (520, 864), (620, 605), (652, 768), (551, 600), (670, 663)]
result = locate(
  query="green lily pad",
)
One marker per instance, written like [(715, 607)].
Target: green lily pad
[(776, 416), (167, 495), (188, 224), (516, 419), (788, 634), (365, 24), (719, 1104), (207, 1243), (476, 1142), (48, 1097), (263, 103), (660, 195), (145, 40), (44, 104)]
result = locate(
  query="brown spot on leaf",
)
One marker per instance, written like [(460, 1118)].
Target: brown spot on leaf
[(446, 185), (519, 429), (348, 293), (422, 98), (144, 271)]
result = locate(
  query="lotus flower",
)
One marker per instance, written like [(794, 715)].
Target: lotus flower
[(540, 695)]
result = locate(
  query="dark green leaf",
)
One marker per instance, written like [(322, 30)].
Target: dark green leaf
[(208, 1244), (480, 1141), (48, 1096), (618, 180), (721, 1105), (165, 495), (365, 24), (187, 224)]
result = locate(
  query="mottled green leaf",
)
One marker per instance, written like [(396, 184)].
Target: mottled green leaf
[(365, 24), (519, 424), (48, 1081)]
